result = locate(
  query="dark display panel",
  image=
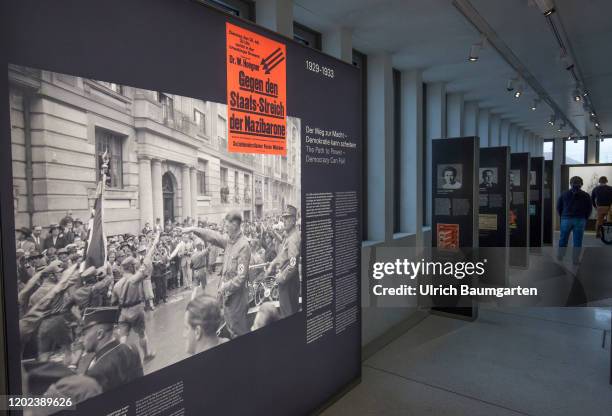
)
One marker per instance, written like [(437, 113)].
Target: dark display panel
[(455, 164), (519, 209), (165, 53), (536, 199), (493, 211)]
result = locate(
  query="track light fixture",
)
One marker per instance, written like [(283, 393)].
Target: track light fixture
[(519, 91), (547, 7), (510, 85), (552, 120), (562, 125), (476, 47), (534, 106), (577, 96)]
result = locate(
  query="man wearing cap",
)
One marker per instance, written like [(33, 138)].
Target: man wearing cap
[(128, 293), (147, 286), (233, 290), (95, 283), (199, 264), (287, 264), (78, 229), (114, 363), (54, 239)]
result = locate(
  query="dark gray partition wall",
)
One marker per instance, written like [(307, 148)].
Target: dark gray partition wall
[(454, 223), (536, 199), (519, 209), (494, 201), (548, 207)]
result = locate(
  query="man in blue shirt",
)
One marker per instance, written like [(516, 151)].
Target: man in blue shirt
[(574, 207), (602, 202)]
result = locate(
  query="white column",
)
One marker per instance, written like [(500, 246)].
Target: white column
[(591, 144), (411, 167), (484, 127), (144, 191), (194, 192), (454, 115), (520, 144), (512, 137), (276, 15), (470, 118), (436, 129), (157, 193), (494, 138), (380, 148), (505, 133), (186, 192), (338, 42)]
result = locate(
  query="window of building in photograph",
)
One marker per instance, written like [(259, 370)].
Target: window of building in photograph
[(604, 150), (111, 144), (548, 149), (240, 8), (200, 120), (247, 189), (112, 86), (575, 151), (224, 189), (167, 103), (306, 36), (236, 187), (201, 177)]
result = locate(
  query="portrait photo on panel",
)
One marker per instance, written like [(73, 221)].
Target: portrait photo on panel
[(532, 178), (450, 176), (488, 178), (515, 177)]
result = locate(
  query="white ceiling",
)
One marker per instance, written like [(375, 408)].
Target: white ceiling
[(434, 36)]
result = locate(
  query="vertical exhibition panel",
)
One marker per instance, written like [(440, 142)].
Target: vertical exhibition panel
[(536, 198), (493, 204), (195, 110), (455, 164), (548, 210), (519, 209)]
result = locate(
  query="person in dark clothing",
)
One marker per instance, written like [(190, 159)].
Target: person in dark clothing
[(574, 207), (602, 202)]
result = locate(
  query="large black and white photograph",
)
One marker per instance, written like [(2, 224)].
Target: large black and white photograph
[(515, 178), (140, 239), (450, 176)]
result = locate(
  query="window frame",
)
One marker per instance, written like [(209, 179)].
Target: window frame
[(244, 9), (202, 125), (553, 148), (584, 159), (120, 138), (301, 32), (597, 148)]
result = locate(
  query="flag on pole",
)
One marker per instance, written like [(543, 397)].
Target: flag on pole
[(96, 243)]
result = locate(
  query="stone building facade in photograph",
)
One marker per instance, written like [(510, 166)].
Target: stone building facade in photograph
[(168, 155)]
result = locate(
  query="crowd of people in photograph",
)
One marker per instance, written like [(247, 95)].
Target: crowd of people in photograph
[(77, 319)]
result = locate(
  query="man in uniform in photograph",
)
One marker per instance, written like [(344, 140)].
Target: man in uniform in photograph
[(199, 265), (486, 183), (287, 263), (113, 363), (449, 176), (233, 290), (54, 239), (128, 293)]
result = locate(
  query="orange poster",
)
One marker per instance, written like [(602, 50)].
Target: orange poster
[(256, 93), (448, 236)]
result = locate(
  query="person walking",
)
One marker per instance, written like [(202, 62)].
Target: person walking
[(574, 208), (602, 202)]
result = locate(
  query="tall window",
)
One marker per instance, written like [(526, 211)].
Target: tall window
[(224, 190), (306, 36), (548, 149), (201, 178), (112, 144), (604, 150), (240, 8), (397, 145), (575, 151), (247, 188), (200, 120), (167, 103)]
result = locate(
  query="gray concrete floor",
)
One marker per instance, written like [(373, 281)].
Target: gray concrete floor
[(511, 361)]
